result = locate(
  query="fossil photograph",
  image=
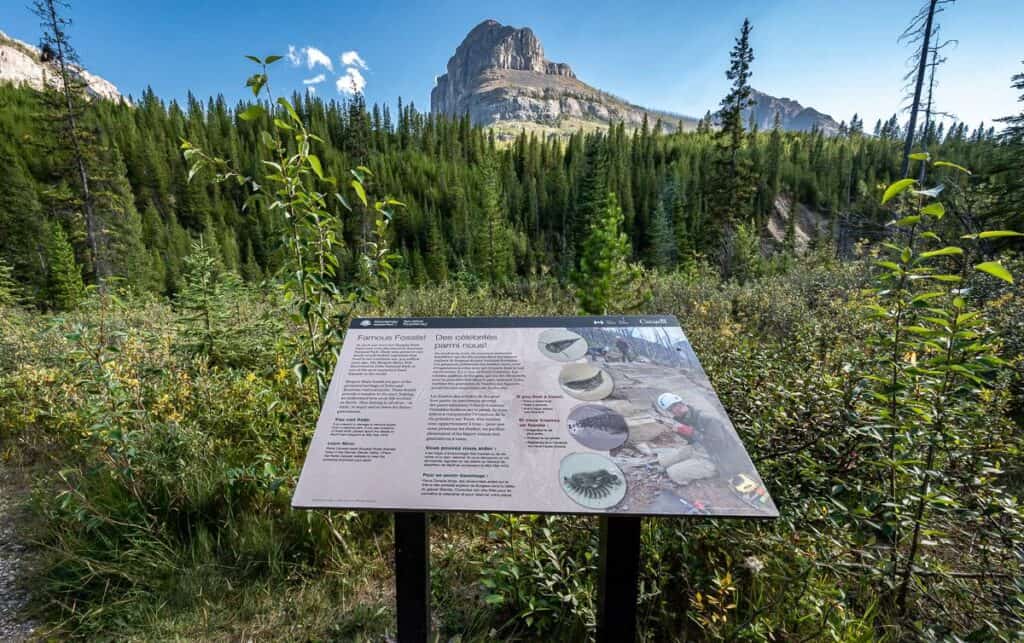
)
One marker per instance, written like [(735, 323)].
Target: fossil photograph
[(597, 427), (585, 381), (561, 345), (592, 480)]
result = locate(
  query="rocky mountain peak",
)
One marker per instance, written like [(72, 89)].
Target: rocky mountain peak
[(20, 64), (499, 74), (493, 45), (793, 116)]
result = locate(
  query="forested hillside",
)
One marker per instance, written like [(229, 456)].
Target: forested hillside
[(537, 196)]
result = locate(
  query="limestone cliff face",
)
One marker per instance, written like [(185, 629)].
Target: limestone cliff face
[(499, 74), (20, 64)]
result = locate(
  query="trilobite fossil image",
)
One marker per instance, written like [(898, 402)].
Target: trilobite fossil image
[(597, 427), (593, 484), (562, 345), (585, 381), (591, 480)]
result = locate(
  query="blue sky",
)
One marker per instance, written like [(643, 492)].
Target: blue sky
[(840, 57)]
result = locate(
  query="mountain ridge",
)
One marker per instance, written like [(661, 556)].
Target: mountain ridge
[(500, 77)]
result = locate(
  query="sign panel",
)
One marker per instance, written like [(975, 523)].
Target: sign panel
[(540, 415)]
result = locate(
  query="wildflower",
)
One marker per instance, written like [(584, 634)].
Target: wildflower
[(754, 564)]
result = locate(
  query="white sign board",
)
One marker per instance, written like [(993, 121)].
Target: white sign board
[(539, 415)]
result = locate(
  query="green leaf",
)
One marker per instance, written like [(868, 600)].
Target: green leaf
[(995, 269), (283, 102), (267, 139), (255, 60), (996, 234), (896, 188), (314, 163), (920, 156), (494, 599), (279, 124), (251, 112), (952, 165), (256, 82), (936, 210), (942, 252), (271, 59), (360, 191), (301, 371)]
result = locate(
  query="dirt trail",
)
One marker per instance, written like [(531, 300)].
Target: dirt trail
[(13, 554)]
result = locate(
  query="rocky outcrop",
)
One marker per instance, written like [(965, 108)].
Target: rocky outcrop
[(20, 64), (793, 116), (499, 75)]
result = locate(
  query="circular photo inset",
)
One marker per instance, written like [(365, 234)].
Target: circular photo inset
[(586, 382), (598, 427), (591, 480), (562, 345)]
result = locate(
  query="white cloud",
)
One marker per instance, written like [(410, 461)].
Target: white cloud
[(316, 57), (353, 59), (293, 56), (352, 82), (315, 80)]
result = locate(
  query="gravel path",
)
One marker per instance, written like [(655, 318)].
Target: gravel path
[(13, 598)]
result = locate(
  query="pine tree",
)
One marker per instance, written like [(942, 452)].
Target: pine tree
[(209, 322), (605, 276), (65, 289)]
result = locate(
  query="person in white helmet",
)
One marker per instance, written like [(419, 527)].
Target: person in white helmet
[(687, 421)]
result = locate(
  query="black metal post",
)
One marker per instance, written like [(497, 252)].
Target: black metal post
[(617, 590), (412, 576)]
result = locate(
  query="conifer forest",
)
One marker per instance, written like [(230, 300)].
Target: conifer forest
[(177, 278)]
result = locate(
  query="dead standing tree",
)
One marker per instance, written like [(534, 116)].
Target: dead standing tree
[(930, 111), (919, 33), (67, 104)]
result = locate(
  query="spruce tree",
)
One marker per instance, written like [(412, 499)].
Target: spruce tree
[(732, 185), (492, 244), (605, 277), (1009, 189), (661, 243), (207, 303), (65, 289)]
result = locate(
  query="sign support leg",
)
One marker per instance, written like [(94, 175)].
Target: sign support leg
[(618, 591), (412, 576)]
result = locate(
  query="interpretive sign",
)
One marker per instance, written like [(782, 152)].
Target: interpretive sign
[(609, 415)]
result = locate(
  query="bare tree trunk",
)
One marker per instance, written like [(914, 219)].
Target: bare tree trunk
[(922, 64), (928, 110)]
